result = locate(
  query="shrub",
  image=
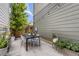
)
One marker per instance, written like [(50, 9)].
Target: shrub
[(75, 47), (63, 43), (3, 43)]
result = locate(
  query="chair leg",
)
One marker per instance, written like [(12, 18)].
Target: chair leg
[(33, 43), (39, 41), (22, 43)]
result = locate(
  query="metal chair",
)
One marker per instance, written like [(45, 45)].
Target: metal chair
[(36, 40)]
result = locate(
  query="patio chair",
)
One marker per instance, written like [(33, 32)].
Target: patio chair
[(36, 40), (28, 38)]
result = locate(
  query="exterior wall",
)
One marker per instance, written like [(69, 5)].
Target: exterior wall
[(38, 9), (61, 19), (4, 16)]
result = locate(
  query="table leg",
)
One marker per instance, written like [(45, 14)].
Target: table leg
[(26, 44)]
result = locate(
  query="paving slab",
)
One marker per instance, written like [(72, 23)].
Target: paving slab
[(18, 49)]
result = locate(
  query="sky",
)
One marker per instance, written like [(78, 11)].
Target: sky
[(30, 12)]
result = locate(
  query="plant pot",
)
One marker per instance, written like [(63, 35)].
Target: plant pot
[(3, 51)]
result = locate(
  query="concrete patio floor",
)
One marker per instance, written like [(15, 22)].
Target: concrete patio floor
[(18, 49)]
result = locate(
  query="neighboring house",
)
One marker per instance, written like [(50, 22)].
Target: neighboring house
[(59, 18), (4, 17)]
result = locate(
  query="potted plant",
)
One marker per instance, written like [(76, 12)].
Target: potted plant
[(3, 46)]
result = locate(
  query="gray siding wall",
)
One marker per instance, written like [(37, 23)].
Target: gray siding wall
[(41, 6), (4, 16), (61, 19)]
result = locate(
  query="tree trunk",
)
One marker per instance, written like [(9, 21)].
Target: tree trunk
[(17, 34)]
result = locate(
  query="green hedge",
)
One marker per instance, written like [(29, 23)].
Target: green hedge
[(69, 44)]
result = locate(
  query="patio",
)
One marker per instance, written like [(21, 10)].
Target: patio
[(47, 22), (18, 49)]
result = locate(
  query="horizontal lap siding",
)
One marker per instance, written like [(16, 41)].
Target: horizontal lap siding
[(62, 20), (4, 15)]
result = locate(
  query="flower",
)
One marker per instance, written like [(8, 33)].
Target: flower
[(55, 40)]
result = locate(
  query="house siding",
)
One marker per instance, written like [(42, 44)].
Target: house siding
[(38, 9), (61, 19), (4, 16)]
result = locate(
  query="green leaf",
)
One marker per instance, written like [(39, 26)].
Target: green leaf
[(18, 18)]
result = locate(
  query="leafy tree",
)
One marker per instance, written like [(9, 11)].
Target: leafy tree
[(18, 20)]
